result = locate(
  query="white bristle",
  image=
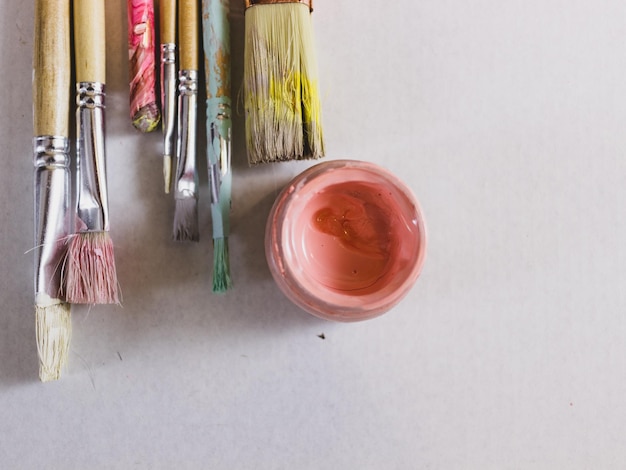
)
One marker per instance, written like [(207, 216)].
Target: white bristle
[(54, 331)]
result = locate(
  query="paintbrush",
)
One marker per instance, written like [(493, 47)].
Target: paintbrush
[(51, 101), (186, 185), (144, 110), (216, 40), (167, 21), (281, 97), (91, 277)]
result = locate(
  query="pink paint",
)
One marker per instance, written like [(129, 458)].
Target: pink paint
[(345, 240)]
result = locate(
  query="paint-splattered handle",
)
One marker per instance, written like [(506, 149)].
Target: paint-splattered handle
[(216, 42), (90, 41), (188, 34), (51, 68), (144, 111)]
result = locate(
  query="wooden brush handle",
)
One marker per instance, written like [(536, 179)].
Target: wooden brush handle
[(51, 68), (90, 41), (167, 16), (188, 34)]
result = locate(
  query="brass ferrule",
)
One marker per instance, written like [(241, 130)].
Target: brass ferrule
[(251, 3)]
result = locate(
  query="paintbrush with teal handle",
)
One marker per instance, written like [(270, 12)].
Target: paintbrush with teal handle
[(216, 41)]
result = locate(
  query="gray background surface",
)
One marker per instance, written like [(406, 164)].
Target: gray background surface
[(507, 119)]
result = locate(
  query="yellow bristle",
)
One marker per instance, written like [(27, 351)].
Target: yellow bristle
[(283, 113)]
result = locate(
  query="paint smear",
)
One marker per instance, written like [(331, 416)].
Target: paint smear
[(351, 235)]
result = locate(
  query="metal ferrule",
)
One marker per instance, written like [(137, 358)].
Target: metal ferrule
[(250, 3), (52, 210), (168, 95), (92, 197), (219, 169), (186, 176)]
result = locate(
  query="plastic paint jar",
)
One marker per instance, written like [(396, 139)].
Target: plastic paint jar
[(345, 240)]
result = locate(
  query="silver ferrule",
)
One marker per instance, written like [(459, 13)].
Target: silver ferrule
[(186, 176), (220, 168), (92, 197), (215, 180), (168, 95), (52, 214)]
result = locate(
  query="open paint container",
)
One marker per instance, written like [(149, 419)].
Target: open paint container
[(345, 240)]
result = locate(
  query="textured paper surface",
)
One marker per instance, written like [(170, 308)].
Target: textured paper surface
[(506, 119)]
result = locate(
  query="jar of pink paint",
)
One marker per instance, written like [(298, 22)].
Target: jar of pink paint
[(345, 240)]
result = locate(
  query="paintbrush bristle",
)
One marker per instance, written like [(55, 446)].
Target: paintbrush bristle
[(54, 331), (221, 265), (167, 172), (91, 274), (186, 220), (282, 105), (147, 118)]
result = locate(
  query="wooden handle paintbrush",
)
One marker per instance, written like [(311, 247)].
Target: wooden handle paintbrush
[(91, 277), (144, 110), (51, 101), (216, 40), (281, 97), (186, 185), (167, 21)]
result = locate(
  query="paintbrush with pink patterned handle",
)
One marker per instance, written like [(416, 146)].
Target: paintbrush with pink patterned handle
[(144, 110)]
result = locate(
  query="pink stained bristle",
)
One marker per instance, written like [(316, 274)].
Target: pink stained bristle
[(91, 275)]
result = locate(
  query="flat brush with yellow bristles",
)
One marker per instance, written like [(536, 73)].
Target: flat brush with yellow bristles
[(51, 102), (281, 97), (91, 276)]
